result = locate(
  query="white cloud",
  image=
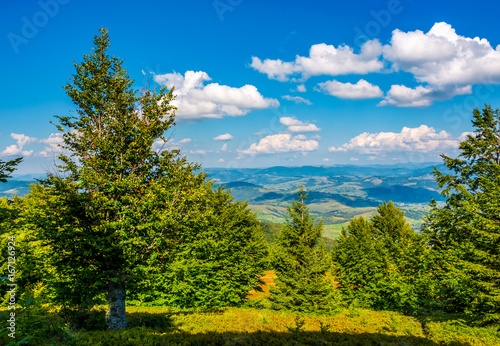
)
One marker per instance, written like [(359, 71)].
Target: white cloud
[(354, 159), (198, 152), (17, 149), (324, 60), (54, 141), (326, 159), (421, 139), (13, 149), (297, 99), (281, 143), (361, 90), (441, 57), (301, 88), (224, 147), (195, 101), (444, 63), (294, 125), (402, 96), (448, 63), (185, 140), (220, 160), (22, 139), (54, 138), (224, 137), (465, 135)]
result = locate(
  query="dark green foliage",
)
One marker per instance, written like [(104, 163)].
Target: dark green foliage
[(217, 260), (379, 262), (126, 217), (301, 263), (7, 168), (465, 232)]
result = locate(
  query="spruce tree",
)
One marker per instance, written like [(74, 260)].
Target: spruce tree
[(466, 230), (374, 261), (100, 239), (122, 217), (301, 264)]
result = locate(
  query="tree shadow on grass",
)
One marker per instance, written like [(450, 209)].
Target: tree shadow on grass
[(147, 337)]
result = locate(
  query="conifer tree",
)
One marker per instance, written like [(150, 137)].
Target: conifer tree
[(373, 261), (98, 241), (466, 230), (8, 167), (121, 212), (301, 264)]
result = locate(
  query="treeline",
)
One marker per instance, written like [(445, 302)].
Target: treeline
[(124, 220)]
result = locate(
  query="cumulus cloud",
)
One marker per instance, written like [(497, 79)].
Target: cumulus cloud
[(324, 60), (54, 141), (297, 99), (294, 125), (361, 90), (444, 63), (441, 57), (169, 144), (301, 88), (281, 143), (448, 63), (196, 101), (198, 152), (224, 147), (402, 96), (224, 137), (13, 149), (17, 149), (421, 139), (220, 160)]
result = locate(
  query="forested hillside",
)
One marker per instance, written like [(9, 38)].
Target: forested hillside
[(127, 244)]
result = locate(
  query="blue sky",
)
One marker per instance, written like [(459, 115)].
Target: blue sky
[(263, 83)]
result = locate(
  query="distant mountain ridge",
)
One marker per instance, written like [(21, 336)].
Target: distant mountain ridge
[(336, 193)]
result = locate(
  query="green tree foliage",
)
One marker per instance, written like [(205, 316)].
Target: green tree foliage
[(465, 232), (220, 257), (122, 214), (8, 167), (301, 263), (381, 262)]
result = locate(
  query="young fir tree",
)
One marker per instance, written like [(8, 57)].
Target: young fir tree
[(374, 264), (301, 263), (466, 230), (123, 212)]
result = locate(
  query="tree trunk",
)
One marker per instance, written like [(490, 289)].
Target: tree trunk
[(116, 317)]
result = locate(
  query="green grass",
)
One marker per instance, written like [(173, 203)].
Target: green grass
[(252, 326)]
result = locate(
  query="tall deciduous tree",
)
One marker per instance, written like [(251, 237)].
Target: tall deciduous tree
[(466, 230), (301, 264)]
